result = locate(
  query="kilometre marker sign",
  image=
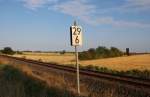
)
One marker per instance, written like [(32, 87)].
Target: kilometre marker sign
[(76, 35), (76, 40)]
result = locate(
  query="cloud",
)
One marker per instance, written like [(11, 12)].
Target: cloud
[(107, 20), (80, 9), (75, 8), (137, 4), (130, 24), (128, 6), (87, 12), (34, 4)]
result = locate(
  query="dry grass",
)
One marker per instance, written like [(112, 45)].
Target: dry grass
[(140, 62), (90, 87), (51, 80), (49, 57), (15, 83), (44, 76)]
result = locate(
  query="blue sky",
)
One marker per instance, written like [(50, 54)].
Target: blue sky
[(44, 24)]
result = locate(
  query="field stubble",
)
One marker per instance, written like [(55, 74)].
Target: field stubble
[(139, 62)]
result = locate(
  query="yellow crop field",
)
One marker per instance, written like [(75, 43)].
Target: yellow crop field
[(48, 57), (140, 62)]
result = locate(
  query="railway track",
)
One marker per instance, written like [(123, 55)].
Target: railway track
[(126, 80)]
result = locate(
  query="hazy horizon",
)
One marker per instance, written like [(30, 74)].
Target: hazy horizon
[(43, 25)]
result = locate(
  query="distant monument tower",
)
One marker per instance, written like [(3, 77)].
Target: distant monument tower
[(127, 52)]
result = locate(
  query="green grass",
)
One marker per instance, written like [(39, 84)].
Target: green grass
[(15, 83), (145, 74)]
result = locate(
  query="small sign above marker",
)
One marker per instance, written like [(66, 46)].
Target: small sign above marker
[(76, 35)]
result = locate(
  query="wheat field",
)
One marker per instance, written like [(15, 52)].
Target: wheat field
[(48, 57), (140, 62)]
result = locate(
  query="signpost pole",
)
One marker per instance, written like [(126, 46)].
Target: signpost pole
[(77, 66)]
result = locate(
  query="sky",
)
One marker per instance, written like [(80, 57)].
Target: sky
[(44, 24)]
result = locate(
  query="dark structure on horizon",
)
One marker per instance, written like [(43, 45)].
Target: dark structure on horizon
[(127, 52)]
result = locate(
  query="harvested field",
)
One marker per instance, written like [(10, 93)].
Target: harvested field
[(48, 57), (140, 62)]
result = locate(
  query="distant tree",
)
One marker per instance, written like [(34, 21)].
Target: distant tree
[(115, 52), (19, 52), (92, 53), (85, 55), (8, 50), (100, 52), (63, 52), (91, 50)]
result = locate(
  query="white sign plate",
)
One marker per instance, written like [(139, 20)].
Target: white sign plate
[(76, 35)]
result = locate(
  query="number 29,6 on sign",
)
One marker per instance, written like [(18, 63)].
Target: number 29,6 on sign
[(76, 35)]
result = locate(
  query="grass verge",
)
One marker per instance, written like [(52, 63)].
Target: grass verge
[(15, 83), (145, 74)]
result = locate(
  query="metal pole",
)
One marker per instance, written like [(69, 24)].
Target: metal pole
[(77, 65)]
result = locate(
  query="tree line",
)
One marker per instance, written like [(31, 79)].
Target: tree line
[(92, 53), (100, 52), (7, 50)]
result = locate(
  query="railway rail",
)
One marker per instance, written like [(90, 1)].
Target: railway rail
[(126, 80)]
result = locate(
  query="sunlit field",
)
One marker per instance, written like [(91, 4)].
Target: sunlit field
[(140, 62), (48, 57)]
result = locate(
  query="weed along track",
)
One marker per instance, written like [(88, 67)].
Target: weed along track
[(119, 85)]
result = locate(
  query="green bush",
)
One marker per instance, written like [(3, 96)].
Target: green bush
[(63, 52), (8, 50), (115, 52), (100, 52), (19, 52)]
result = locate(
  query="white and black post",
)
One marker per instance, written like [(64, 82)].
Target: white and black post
[(76, 40), (78, 78)]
